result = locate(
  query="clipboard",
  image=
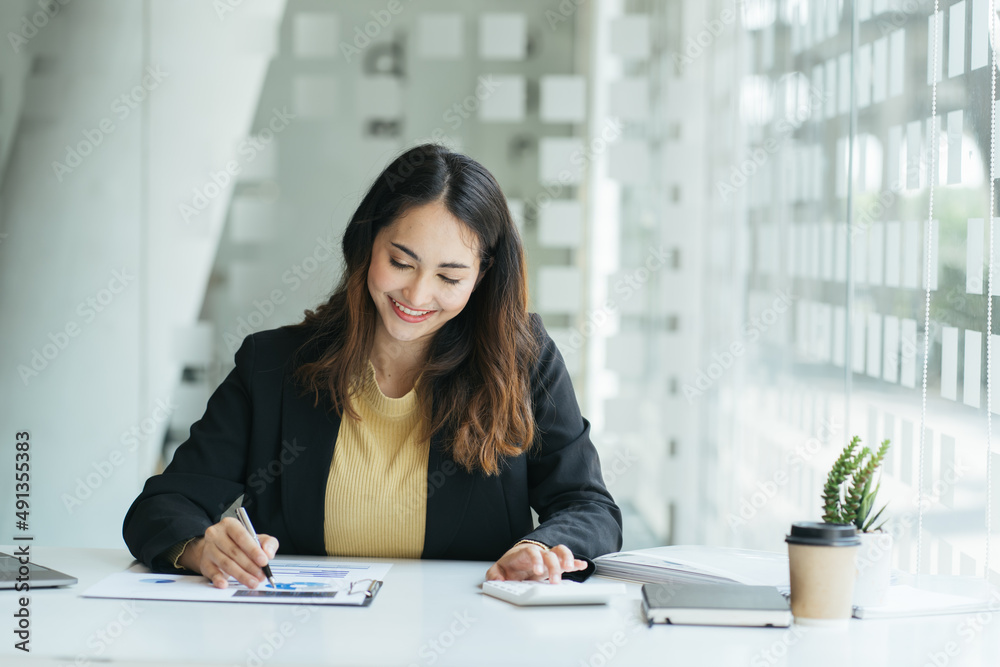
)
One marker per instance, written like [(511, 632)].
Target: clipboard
[(313, 582), (355, 596)]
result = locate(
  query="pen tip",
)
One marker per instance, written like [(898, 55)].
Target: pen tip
[(273, 585)]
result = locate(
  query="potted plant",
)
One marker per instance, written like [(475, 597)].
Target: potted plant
[(849, 498)]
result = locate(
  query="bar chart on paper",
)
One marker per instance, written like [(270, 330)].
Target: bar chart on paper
[(296, 582)]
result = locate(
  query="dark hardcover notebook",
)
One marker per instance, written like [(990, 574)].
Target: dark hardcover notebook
[(715, 604)]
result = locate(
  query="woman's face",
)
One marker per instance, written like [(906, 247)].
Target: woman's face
[(424, 267)]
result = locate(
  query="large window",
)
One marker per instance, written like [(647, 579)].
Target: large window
[(835, 158)]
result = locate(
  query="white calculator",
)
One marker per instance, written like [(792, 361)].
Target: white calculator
[(536, 593)]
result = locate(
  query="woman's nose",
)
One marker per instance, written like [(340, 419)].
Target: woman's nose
[(418, 292)]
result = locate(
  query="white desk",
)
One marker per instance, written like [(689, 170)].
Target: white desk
[(433, 613)]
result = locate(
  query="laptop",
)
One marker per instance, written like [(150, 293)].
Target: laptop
[(39, 576)]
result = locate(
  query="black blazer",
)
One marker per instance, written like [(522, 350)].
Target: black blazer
[(258, 438)]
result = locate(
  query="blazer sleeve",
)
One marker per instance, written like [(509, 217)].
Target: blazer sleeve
[(206, 475), (566, 487)]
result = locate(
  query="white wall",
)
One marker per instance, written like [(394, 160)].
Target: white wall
[(111, 216)]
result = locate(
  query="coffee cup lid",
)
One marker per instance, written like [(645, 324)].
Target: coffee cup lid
[(817, 533)]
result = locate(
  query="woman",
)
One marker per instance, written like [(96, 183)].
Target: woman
[(420, 412)]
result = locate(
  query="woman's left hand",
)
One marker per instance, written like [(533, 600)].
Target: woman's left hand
[(532, 562)]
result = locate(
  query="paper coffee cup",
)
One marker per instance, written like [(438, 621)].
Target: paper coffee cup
[(822, 570)]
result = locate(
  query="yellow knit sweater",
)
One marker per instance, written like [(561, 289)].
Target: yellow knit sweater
[(376, 493)]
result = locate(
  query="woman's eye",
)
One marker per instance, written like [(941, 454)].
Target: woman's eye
[(450, 281), (398, 265)]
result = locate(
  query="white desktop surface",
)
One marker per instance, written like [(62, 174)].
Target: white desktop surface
[(433, 613)]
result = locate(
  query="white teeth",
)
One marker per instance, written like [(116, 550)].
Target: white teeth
[(412, 313)]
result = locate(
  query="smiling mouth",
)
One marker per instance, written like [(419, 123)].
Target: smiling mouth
[(409, 311)]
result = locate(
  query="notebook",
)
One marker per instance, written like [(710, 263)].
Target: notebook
[(715, 604), (38, 576)]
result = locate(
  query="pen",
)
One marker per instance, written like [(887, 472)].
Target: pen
[(245, 520)]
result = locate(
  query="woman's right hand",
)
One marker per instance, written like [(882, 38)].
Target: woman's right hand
[(228, 550)]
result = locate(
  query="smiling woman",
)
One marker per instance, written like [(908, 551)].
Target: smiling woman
[(430, 410), (410, 289)]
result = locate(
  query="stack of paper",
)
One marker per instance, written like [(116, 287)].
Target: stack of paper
[(930, 595), (697, 564)]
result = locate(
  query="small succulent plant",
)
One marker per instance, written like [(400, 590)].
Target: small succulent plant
[(848, 496)]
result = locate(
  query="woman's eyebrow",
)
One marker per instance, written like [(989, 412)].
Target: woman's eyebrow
[(444, 265)]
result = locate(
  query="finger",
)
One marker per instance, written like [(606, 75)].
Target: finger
[(219, 579), (250, 563), (537, 560), (522, 563), (230, 568), (553, 566), (231, 560), (268, 544), (565, 557), (240, 546), (242, 539), (495, 573)]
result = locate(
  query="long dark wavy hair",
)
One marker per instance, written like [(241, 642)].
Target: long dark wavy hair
[(475, 386)]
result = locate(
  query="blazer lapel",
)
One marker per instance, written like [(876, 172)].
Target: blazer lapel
[(303, 482), (449, 489)]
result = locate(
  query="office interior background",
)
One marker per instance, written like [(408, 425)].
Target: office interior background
[(754, 229)]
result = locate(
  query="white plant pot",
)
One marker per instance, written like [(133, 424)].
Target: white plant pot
[(874, 561)]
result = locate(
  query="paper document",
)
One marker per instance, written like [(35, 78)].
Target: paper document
[(697, 564), (931, 595), (296, 582)]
